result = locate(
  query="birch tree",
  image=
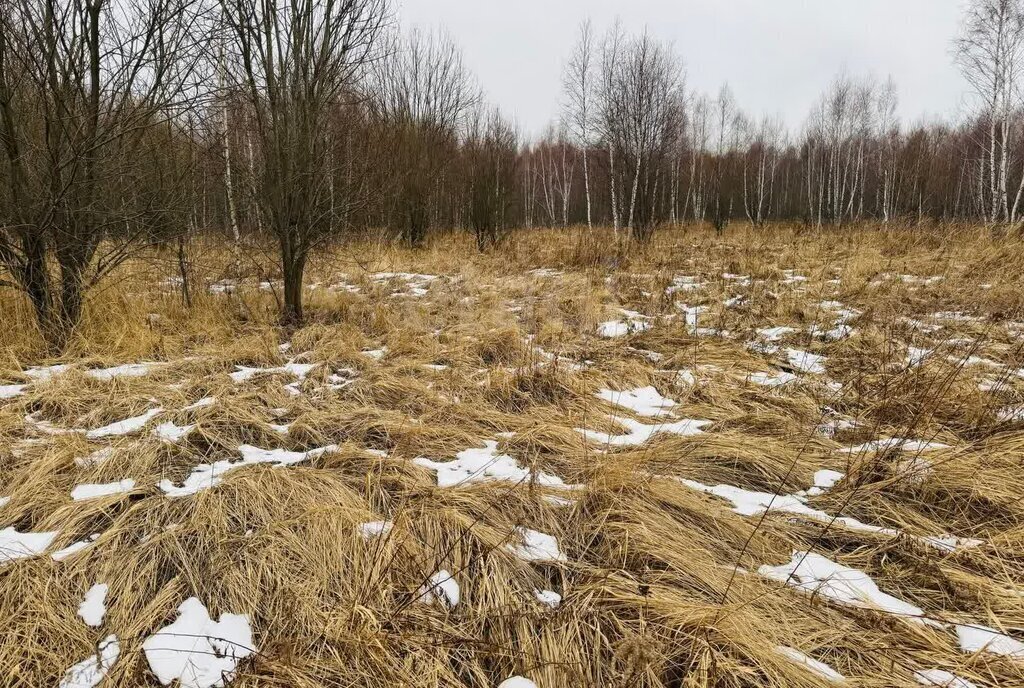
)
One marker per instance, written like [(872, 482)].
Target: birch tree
[(578, 84)]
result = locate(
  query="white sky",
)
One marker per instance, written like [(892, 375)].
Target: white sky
[(777, 55)]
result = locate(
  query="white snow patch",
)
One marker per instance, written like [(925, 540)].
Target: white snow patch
[(205, 476), (806, 362), (74, 548), (941, 678), (91, 671), (169, 432), (124, 427), (638, 433), (485, 464), (11, 391), (549, 598), (774, 334), (887, 443), (127, 370), (975, 638), (814, 666), (814, 573), (517, 682), (442, 587), (95, 491), (96, 458), (15, 545), (537, 546), (298, 370), (93, 607), (197, 651), (374, 529), (644, 401), (772, 379)]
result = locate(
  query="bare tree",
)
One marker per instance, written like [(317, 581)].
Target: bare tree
[(989, 51), (83, 86), (297, 63), (579, 108), (422, 92)]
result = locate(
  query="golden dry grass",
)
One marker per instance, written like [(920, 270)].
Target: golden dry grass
[(651, 591)]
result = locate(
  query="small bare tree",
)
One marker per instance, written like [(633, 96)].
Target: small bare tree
[(84, 86), (578, 84), (297, 63)]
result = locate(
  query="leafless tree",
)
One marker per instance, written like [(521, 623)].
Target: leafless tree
[(85, 86), (423, 93), (578, 84), (297, 63), (989, 52)]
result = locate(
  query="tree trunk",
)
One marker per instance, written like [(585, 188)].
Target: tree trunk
[(293, 265)]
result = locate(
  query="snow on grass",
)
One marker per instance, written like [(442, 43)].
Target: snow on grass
[(124, 427), (442, 587), (11, 391), (941, 678), (477, 465), (772, 379), (74, 548), (683, 283), (127, 370), (814, 666), (374, 529), (517, 682), (887, 443), (205, 476), (91, 671), (633, 322), (816, 574), (549, 598), (916, 356), (202, 403), (376, 354), (975, 638), (196, 650), (639, 433), (94, 607), (806, 362), (169, 432), (775, 334), (686, 378), (95, 491), (15, 545), (537, 546), (96, 458), (298, 370), (644, 401), (46, 373), (834, 334)]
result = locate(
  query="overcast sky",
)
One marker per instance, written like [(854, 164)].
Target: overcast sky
[(777, 55)]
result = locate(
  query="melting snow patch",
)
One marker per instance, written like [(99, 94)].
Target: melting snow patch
[(618, 328), (638, 433), (93, 607), (91, 671), (94, 491), (127, 370), (806, 362), (96, 458), (124, 427), (814, 666), (197, 651), (205, 476), (916, 356), (169, 432), (442, 587), (299, 370), (15, 545), (537, 546), (644, 401), (974, 638), (11, 391), (517, 682), (73, 549), (941, 678), (774, 334), (484, 465), (202, 403), (776, 379), (375, 529), (814, 573), (549, 598), (888, 443)]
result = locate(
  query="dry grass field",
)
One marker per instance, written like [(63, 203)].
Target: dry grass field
[(803, 465)]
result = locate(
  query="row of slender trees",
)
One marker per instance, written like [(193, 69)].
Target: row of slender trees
[(126, 124)]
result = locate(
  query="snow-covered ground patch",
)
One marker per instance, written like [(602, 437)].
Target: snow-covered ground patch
[(806, 362), (643, 401), (124, 427), (976, 638), (95, 491), (91, 671), (477, 465), (198, 651), (15, 545), (772, 379), (442, 587), (941, 678), (638, 433), (816, 574), (814, 666), (537, 546), (94, 606), (205, 476)]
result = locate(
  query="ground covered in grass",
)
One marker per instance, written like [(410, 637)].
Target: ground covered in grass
[(767, 458)]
